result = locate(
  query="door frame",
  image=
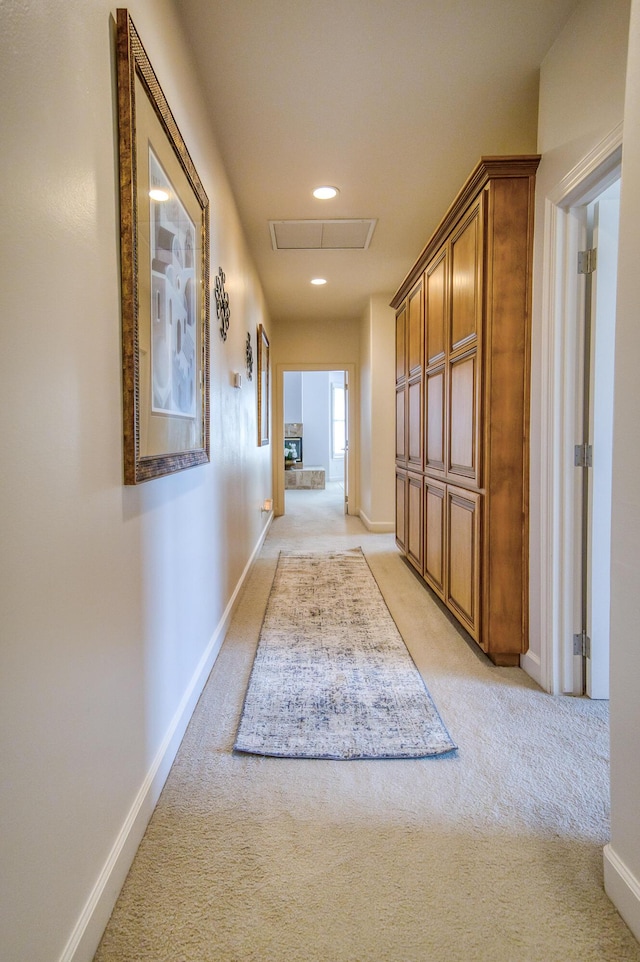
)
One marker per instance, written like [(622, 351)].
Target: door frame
[(606, 231), (278, 429), (559, 482)]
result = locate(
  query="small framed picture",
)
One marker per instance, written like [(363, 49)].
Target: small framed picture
[(263, 386)]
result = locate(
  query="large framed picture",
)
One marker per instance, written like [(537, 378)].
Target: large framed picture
[(164, 229), (263, 386)]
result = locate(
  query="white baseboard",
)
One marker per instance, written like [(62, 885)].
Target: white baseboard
[(378, 527), (89, 928), (623, 888)]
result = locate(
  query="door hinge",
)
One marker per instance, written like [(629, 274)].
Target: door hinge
[(587, 261), (583, 456), (582, 644)]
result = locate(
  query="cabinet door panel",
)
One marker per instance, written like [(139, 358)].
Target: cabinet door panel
[(415, 331), (414, 426), (401, 344), (401, 506), (434, 535), (466, 280), (401, 441), (463, 544), (414, 521), (464, 399), (435, 420), (435, 307)]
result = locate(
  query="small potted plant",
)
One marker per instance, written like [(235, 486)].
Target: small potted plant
[(289, 456)]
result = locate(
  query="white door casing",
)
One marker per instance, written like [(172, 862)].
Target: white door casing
[(559, 481), (606, 217)]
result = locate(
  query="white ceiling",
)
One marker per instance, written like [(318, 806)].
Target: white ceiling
[(392, 101)]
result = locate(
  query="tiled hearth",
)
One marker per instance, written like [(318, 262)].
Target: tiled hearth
[(308, 478)]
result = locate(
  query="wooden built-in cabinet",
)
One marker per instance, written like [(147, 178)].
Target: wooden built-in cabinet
[(462, 383)]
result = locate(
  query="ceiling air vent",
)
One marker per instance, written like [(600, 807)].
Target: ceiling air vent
[(321, 235)]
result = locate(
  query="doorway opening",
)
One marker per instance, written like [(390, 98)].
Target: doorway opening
[(313, 427), (577, 424), (594, 453)]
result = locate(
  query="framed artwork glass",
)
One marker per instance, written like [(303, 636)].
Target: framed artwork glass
[(263, 386), (164, 230)]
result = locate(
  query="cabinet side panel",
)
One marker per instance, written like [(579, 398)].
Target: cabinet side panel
[(507, 333)]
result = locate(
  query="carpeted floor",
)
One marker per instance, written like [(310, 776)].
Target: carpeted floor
[(491, 854)]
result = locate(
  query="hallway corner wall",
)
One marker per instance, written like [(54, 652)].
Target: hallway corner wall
[(114, 598), (622, 855), (589, 52), (377, 415)]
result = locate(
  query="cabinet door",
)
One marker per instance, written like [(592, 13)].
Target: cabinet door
[(401, 510), (466, 279), (434, 534), (414, 423), (401, 436), (464, 417), (401, 343), (415, 331), (463, 556), (435, 308), (414, 540), (435, 395)]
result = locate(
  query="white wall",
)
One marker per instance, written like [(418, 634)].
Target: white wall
[(336, 465), (316, 419), (622, 856), (377, 415), (591, 55), (293, 397), (366, 374), (114, 599), (588, 55)]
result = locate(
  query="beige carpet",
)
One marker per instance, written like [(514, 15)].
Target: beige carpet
[(493, 854)]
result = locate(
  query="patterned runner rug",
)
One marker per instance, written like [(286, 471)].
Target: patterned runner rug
[(332, 677)]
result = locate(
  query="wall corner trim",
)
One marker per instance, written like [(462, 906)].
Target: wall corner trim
[(89, 928), (379, 527), (531, 663), (623, 888)]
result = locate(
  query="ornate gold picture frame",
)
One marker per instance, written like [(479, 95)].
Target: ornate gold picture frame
[(164, 230)]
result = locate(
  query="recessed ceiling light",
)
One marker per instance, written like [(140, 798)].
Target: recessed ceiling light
[(318, 281), (325, 193)]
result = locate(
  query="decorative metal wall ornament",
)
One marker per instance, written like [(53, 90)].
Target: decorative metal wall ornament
[(222, 304), (248, 353)]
